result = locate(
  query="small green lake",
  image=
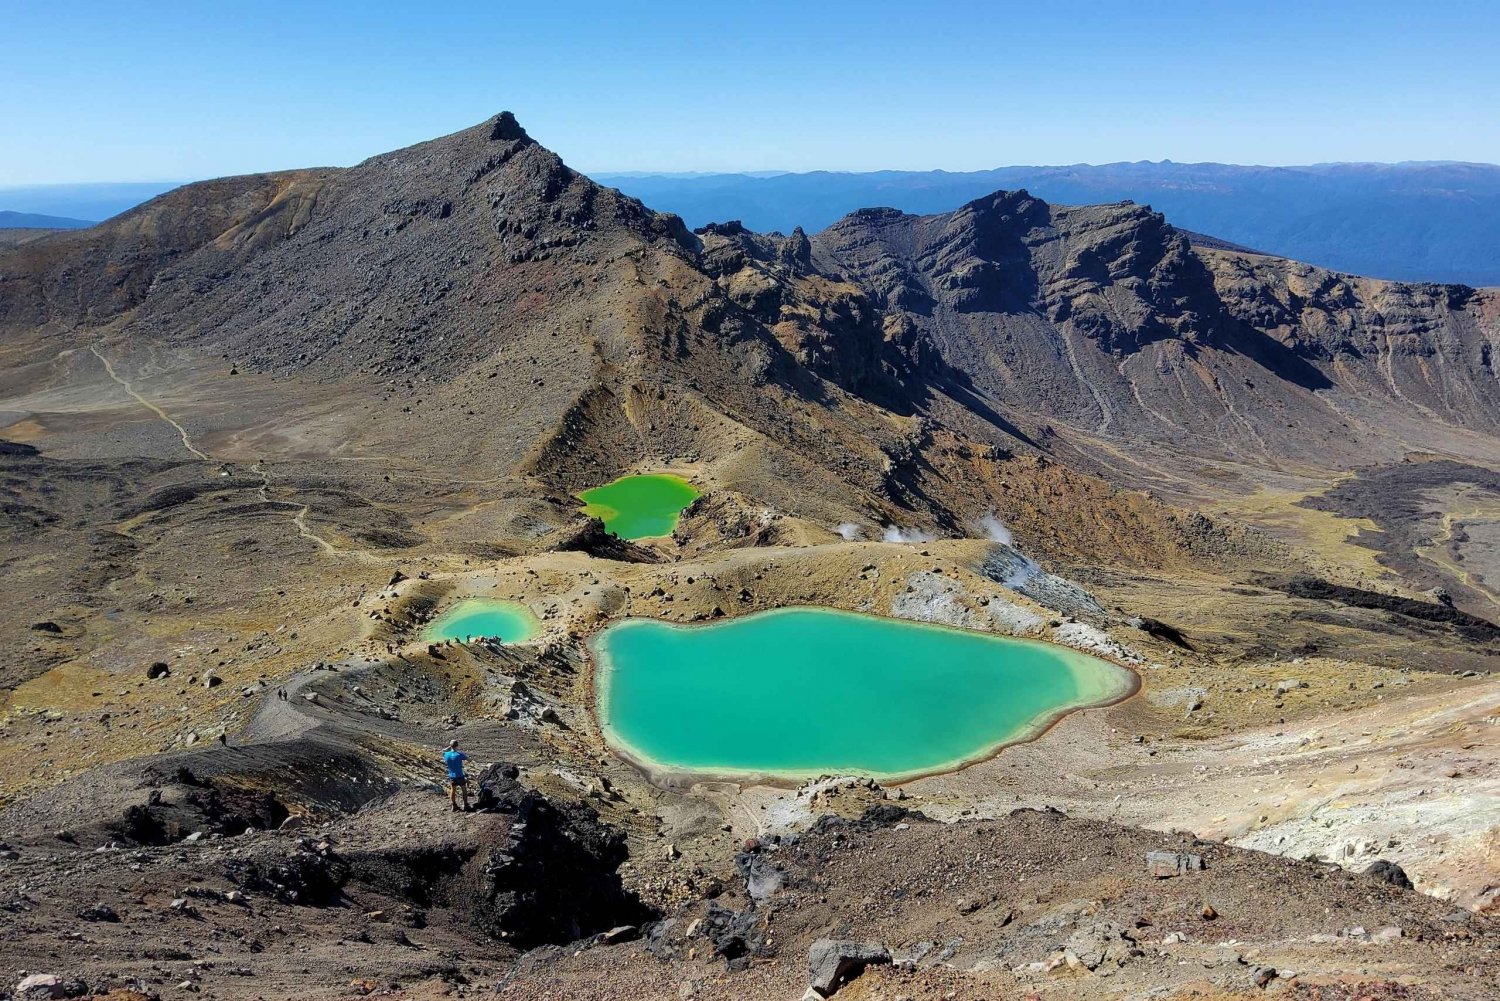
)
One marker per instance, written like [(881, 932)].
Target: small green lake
[(484, 618), (799, 692), (640, 507)]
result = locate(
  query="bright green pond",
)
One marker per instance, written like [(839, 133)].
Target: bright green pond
[(640, 507), (484, 618), (800, 692)]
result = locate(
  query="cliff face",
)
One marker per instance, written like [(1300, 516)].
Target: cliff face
[(1427, 347), (1107, 321)]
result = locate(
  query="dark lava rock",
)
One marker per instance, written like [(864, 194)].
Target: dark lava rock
[(307, 876), (1390, 872), (877, 816), (419, 874), (1159, 629), (1470, 627), (553, 877), (737, 936), (47, 627), (158, 670), (99, 912), (588, 535), (187, 803), (831, 963), (762, 878)]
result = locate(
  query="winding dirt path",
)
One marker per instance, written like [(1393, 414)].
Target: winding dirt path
[(299, 522), (187, 442)]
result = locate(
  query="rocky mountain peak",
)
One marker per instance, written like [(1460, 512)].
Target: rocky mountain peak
[(504, 127)]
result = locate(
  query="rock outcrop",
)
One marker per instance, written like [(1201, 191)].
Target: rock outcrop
[(833, 962), (552, 876)]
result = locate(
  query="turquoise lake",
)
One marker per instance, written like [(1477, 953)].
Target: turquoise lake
[(484, 618), (799, 692)]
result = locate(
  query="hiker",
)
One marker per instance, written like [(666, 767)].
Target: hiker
[(454, 759)]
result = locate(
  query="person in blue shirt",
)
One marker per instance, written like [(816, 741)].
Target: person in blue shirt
[(457, 783)]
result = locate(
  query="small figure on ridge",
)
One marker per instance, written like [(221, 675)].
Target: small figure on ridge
[(454, 759)]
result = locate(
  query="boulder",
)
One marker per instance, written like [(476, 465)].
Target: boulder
[(831, 963), (1064, 963), (762, 878), (737, 936), (1164, 865), (1389, 872), (1103, 943), (99, 912), (45, 986), (158, 670), (1159, 629)]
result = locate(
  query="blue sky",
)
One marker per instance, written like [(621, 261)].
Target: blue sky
[(93, 91)]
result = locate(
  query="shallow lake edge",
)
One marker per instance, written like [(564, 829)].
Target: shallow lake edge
[(454, 605), (599, 507), (671, 776)]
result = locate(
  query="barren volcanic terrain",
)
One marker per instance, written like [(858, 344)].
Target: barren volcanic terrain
[(257, 433)]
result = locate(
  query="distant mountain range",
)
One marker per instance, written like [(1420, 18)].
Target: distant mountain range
[(1034, 321), (1420, 221), (31, 220), (1434, 221)]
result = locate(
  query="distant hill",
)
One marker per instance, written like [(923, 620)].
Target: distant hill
[(1407, 221), (31, 220), (78, 202)]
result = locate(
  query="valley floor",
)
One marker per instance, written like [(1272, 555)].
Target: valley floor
[(1289, 739)]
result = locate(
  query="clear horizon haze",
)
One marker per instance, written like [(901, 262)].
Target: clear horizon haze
[(97, 92)]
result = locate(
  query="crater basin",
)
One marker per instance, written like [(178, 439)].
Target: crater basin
[(800, 692), (640, 507), (484, 618)]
